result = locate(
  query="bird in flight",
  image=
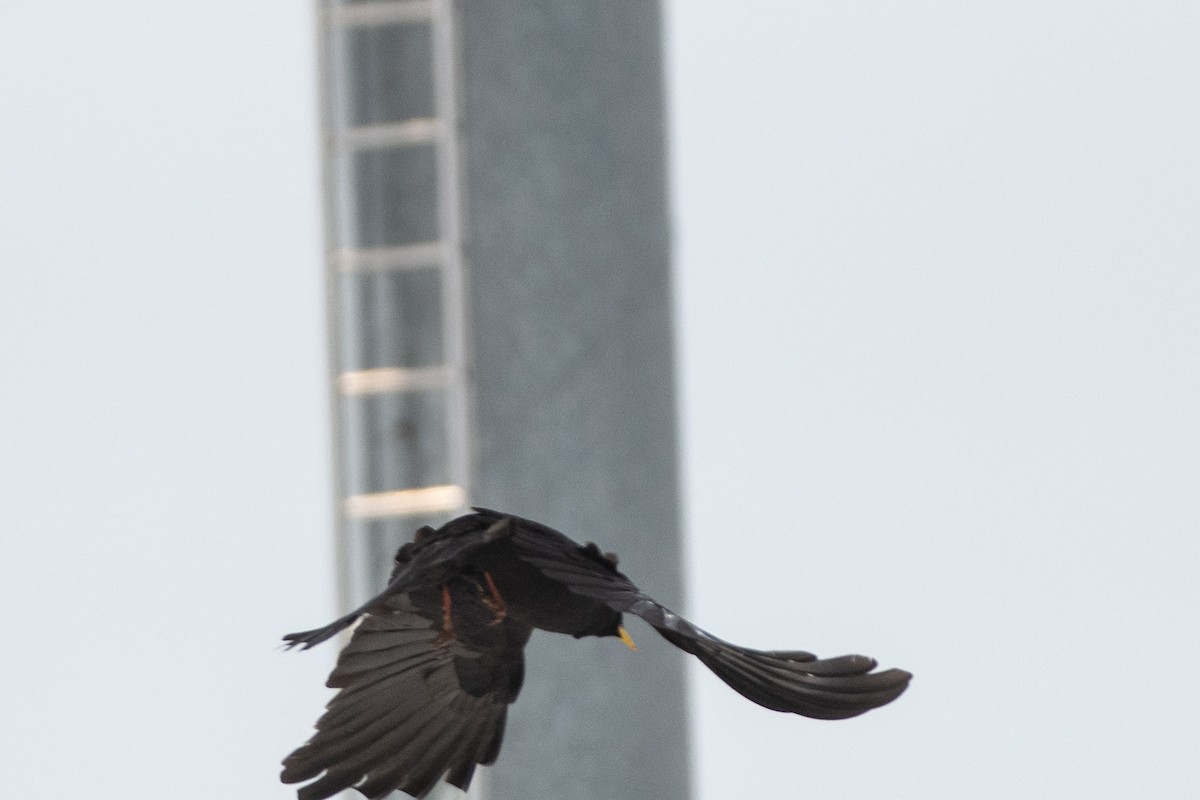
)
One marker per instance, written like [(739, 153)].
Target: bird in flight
[(438, 656)]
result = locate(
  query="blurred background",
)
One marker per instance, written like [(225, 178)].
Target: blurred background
[(936, 307)]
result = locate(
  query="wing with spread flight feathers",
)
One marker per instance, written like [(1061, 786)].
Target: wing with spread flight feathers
[(790, 681), (414, 707)]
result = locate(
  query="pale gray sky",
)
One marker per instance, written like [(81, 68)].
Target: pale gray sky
[(938, 273), (939, 281)]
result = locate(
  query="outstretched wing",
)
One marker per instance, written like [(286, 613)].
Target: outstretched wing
[(417, 702), (791, 681)]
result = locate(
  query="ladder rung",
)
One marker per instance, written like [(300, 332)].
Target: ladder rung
[(406, 256), (365, 15), (405, 502), (422, 130), (385, 380)]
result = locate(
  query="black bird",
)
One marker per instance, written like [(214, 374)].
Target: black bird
[(428, 675)]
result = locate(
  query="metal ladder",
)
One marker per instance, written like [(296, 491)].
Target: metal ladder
[(395, 278)]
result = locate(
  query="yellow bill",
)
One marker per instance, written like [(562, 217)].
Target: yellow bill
[(626, 638)]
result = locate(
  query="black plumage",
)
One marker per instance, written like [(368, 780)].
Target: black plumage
[(428, 675)]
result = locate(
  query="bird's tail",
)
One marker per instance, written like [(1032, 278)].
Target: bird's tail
[(798, 682)]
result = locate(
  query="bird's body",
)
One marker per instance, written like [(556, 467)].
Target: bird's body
[(429, 673)]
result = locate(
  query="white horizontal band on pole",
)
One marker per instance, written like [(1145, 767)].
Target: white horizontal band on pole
[(392, 379), (405, 502)]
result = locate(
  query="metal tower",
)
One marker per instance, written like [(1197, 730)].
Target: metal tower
[(499, 306)]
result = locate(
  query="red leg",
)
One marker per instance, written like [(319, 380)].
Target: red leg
[(496, 601), (447, 617)]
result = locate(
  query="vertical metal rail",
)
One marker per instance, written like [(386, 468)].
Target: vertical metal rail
[(332, 329), (451, 207)]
